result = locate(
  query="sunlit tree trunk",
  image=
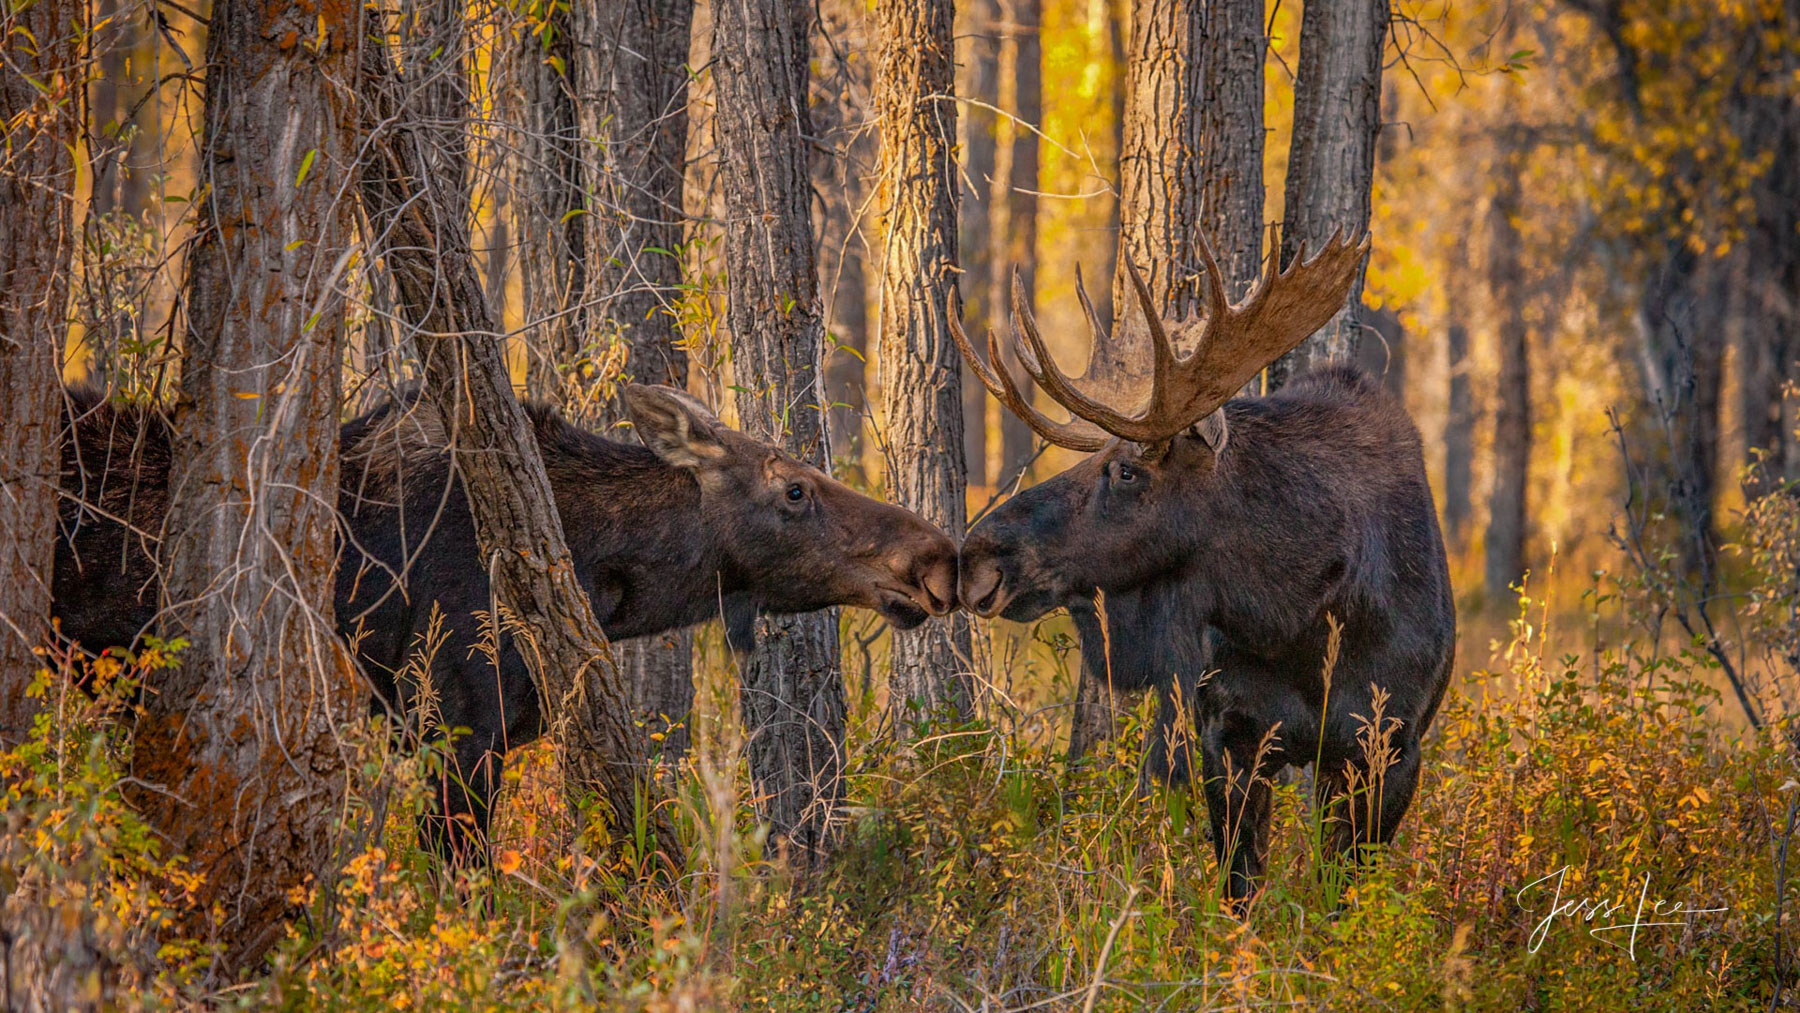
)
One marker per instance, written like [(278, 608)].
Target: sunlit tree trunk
[(920, 375), (1013, 206), (1190, 162), (424, 216), (236, 757), (977, 79), (793, 692), (1505, 541), (1331, 165), (40, 107)]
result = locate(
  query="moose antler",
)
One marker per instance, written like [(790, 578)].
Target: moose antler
[(1230, 346)]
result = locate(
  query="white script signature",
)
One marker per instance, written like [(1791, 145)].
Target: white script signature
[(1606, 911)]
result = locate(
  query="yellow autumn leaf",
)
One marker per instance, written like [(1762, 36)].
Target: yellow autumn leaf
[(508, 861)]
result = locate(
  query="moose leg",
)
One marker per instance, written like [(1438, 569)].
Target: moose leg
[(1238, 756), (1169, 748), (456, 828), (1363, 805)]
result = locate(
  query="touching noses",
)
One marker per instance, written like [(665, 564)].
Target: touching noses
[(934, 574), (979, 577)]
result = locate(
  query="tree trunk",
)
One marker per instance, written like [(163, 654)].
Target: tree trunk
[(1013, 206), (793, 691), (40, 88), (1159, 201), (1191, 159), (920, 374), (547, 204), (634, 234), (1459, 442), (845, 232), (496, 455), (1505, 544), (1678, 323), (978, 129), (1227, 92), (236, 757), (1331, 164)]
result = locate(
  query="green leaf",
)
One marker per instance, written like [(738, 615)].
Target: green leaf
[(306, 165)]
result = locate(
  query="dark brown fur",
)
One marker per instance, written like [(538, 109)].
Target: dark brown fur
[(1317, 506), (706, 522)]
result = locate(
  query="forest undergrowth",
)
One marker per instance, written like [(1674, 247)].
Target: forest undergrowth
[(1593, 830)]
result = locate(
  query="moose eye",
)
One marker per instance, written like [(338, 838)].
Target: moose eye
[(1127, 474), (796, 492)]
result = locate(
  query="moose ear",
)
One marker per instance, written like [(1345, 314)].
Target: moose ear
[(1212, 431), (674, 425)]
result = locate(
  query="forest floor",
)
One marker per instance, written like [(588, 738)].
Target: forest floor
[(1592, 831)]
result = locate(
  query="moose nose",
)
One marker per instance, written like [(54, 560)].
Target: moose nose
[(936, 577), (979, 586)]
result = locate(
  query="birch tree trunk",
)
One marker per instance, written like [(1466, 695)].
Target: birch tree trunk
[(1331, 164), (237, 759), (920, 367), (40, 104), (496, 456), (793, 692)]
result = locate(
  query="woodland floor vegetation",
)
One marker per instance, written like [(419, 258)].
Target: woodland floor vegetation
[(981, 870)]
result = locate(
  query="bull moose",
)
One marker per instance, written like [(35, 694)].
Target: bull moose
[(701, 520), (1228, 537)]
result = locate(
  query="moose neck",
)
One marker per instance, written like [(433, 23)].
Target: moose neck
[(1271, 530), (635, 528)]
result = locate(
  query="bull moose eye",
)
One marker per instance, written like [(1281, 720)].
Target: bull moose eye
[(796, 492), (1127, 473)]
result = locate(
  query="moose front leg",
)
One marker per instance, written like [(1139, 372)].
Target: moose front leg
[(1362, 805), (456, 827), (1238, 756), (1170, 745)]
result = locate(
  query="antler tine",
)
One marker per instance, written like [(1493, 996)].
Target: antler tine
[(1070, 434), (981, 369), (1043, 369), (1162, 350)]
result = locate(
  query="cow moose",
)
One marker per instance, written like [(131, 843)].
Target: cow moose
[(701, 520), (1229, 536)]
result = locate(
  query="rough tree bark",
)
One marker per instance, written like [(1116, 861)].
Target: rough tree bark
[(1013, 206), (496, 456), (1459, 442), (1505, 541), (1191, 160), (793, 691), (236, 758), (634, 274), (977, 127), (547, 200), (919, 364), (839, 94), (41, 109), (1331, 164)]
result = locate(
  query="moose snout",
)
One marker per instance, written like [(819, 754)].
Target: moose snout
[(935, 577), (979, 580)]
